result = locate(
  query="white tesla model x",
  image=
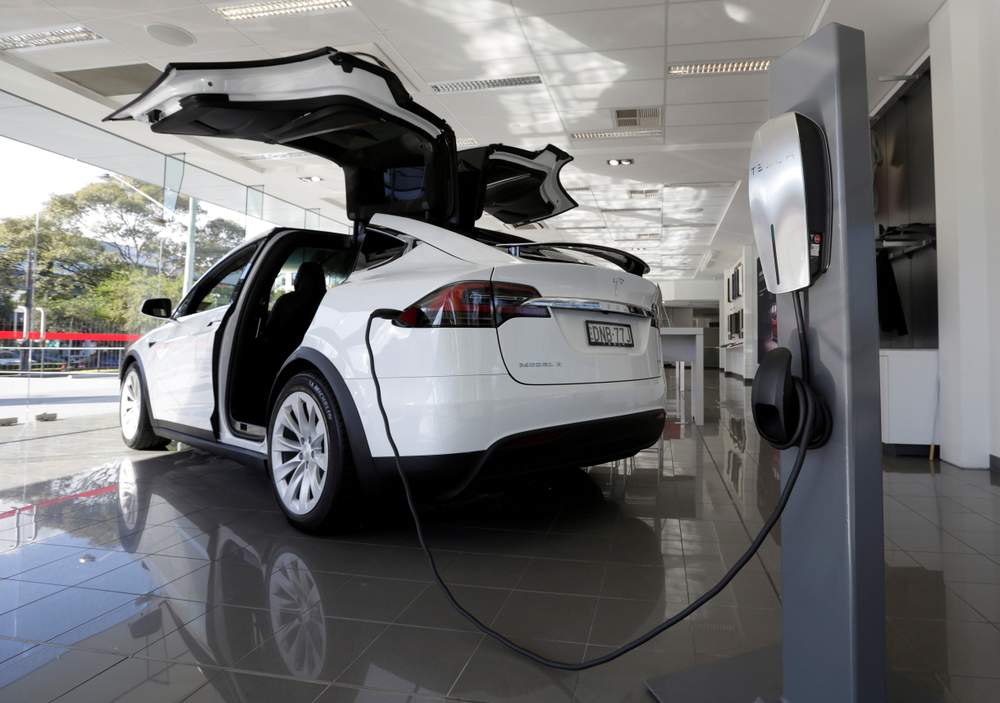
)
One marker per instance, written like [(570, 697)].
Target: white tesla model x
[(507, 356)]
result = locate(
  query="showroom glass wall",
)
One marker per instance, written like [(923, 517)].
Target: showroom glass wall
[(90, 225)]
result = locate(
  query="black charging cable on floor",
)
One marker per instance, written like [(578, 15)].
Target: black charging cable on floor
[(807, 401)]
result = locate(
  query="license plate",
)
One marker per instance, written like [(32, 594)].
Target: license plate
[(609, 334)]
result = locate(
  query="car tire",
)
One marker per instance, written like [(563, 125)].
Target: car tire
[(309, 464), (133, 413)]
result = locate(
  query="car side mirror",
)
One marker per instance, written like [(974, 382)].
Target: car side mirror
[(156, 307)]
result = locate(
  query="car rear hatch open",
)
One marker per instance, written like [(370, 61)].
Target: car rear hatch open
[(397, 156), (516, 186), (599, 328)]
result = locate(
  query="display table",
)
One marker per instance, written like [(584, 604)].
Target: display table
[(686, 345)]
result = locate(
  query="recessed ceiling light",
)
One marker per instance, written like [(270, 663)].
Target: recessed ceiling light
[(256, 10), (170, 34), (616, 134), (619, 162), (48, 37), (310, 179), (718, 68), (475, 85)]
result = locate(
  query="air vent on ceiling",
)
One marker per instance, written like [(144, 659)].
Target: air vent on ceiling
[(615, 134), (114, 80), (718, 68), (480, 84), (637, 117), (641, 236), (466, 142)]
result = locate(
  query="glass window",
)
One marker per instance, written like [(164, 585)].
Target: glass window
[(220, 285)]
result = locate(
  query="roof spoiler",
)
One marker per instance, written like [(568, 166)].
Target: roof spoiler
[(630, 263)]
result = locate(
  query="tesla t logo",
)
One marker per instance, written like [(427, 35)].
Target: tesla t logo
[(618, 282)]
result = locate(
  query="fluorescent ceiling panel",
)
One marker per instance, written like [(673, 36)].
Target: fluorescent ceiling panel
[(73, 34), (257, 10)]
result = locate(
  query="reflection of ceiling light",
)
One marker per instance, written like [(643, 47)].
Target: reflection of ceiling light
[(484, 84), (718, 68), (48, 37), (639, 236), (619, 162), (616, 134), (276, 156), (644, 194), (466, 142), (310, 179), (255, 10)]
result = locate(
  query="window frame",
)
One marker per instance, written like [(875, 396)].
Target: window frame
[(213, 277)]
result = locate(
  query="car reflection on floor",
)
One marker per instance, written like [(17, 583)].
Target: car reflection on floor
[(195, 566)]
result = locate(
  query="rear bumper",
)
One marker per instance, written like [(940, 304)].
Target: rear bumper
[(575, 444)]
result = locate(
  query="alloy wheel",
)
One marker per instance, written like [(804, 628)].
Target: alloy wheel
[(299, 444), (130, 405)]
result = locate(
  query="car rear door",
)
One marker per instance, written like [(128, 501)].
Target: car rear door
[(397, 156)]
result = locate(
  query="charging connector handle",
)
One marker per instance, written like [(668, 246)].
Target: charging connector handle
[(807, 400)]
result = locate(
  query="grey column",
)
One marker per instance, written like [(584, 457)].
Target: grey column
[(833, 596)]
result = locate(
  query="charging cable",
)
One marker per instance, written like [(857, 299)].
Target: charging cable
[(806, 422)]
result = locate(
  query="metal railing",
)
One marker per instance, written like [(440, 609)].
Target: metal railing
[(96, 361)]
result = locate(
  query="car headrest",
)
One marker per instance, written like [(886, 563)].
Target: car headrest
[(310, 279)]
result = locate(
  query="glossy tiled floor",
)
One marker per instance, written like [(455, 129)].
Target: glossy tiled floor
[(171, 577)]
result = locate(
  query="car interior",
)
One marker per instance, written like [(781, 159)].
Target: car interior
[(283, 298)]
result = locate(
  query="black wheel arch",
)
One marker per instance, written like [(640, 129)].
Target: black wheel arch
[(307, 359)]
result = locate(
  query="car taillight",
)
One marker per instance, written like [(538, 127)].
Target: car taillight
[(472, 304), (509, 299)]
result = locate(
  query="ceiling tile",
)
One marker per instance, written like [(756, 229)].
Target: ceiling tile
[(603, 67), (85, 9), (586, 120), (731, 20), (18, 15), (431, 15), (714, 51), (716, 89), (715, 113), (596, 30), (461, 44), (603, 96), (308, 32), (544, 7), (210, 30), (80, 56), (499, 104), (706, 134), (469, 70)]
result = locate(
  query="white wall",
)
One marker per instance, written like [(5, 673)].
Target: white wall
[(966, 95)]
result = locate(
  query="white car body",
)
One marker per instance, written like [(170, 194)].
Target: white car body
[(463, 402)]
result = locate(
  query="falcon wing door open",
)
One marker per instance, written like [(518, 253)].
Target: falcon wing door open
[(514, 185), (397, 156)]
